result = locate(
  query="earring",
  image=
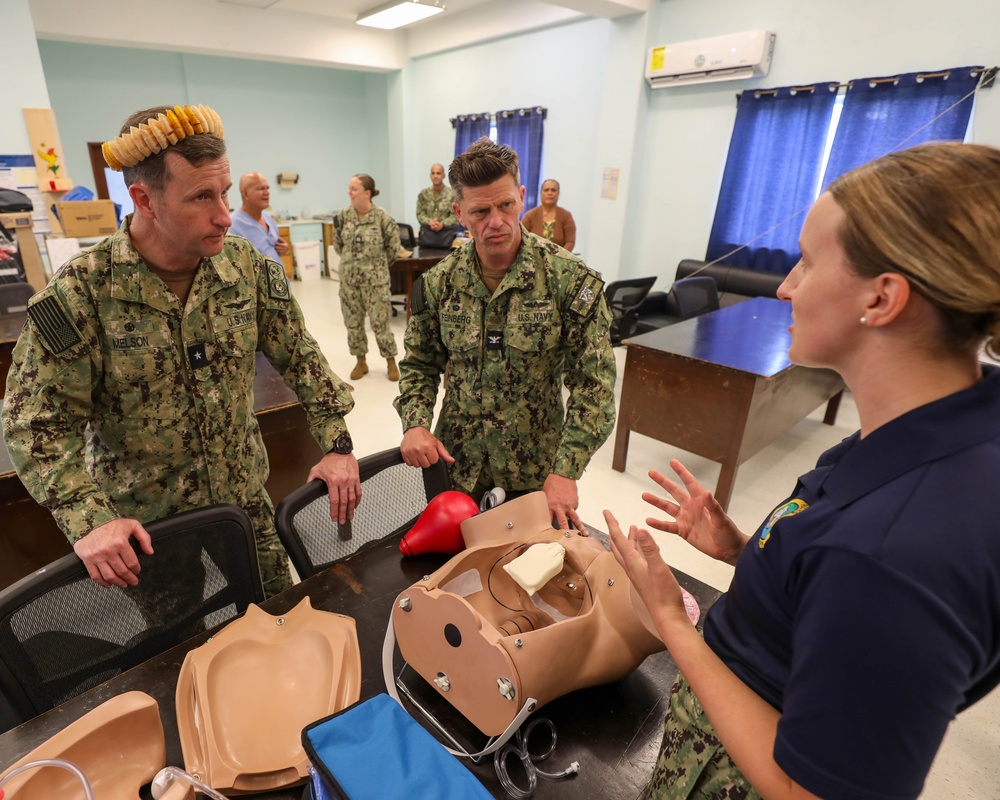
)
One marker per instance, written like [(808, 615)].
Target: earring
[(864, 320)]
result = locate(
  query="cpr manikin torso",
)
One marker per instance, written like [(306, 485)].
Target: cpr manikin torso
[(487, 642)]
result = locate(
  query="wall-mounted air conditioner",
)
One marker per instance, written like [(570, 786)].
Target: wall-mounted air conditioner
[(719, 58)]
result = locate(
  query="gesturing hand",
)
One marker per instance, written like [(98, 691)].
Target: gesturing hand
[(697, 516), (640, 557)]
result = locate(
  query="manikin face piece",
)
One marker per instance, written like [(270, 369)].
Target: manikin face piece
[(487, 643)]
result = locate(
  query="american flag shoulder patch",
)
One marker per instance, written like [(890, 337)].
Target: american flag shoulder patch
[(53, 323)]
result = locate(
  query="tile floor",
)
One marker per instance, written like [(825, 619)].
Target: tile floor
[(968, 766)]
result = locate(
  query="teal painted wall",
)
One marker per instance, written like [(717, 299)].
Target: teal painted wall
[(324, 124), (23, 86)]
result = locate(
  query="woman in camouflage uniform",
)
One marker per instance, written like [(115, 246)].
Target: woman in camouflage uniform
[(367, 240)]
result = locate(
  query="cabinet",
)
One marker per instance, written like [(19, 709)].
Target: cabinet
[(287, 260)]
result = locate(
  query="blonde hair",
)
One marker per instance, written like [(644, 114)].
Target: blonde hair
[(932, 214), (367, 183)]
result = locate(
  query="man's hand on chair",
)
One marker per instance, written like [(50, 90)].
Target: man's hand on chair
[(108, 555), (343, 481)]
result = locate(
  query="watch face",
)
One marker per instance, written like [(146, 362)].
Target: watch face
[(343, 445)]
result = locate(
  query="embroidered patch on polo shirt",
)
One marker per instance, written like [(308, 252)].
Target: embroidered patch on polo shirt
[(789, 509), (53, 323)]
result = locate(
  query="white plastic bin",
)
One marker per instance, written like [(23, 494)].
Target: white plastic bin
[(307, 265)]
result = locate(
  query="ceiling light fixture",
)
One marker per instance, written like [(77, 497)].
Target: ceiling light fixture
[(399, 13)]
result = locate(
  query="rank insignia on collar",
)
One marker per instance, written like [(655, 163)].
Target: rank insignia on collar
[(494, 340)]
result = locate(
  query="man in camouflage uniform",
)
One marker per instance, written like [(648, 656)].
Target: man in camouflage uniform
[(130, 396), (367, 240), (434, 203), (509, 319)]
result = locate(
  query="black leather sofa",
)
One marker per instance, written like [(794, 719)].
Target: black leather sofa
[(735, 284)]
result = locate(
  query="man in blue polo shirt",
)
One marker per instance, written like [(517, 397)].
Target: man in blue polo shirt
[(252, 222)]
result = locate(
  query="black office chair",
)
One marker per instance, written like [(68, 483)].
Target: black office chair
[(624, 298), (62, 634), (695, 296), (393, 496), (14, 297), (406, 237)]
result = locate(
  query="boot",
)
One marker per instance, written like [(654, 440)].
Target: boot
[(393, 369), (360, 369)]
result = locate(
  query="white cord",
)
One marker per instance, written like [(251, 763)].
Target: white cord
[(53, 762), (167, 776), (528, 761)]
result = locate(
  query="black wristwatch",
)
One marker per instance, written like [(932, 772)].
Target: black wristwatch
[(343, 445)]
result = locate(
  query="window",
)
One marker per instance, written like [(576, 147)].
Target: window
[(789, 143), (521, 129)]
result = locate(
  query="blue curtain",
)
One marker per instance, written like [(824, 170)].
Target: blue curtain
[(521, 130), (882, 115), (772, 172), (468, 128)]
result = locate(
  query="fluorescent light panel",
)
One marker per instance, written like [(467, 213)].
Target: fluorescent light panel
[(399, 13)]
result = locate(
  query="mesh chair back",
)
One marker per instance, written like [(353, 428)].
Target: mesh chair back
[(62, 634), (695, 296), (406, 237), (14, 297), (624, 298), (393, 496)]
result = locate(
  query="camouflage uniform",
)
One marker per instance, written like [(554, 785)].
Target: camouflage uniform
[(505, 359), (436, 205), (366, 247), (693, 764), (121, 402)]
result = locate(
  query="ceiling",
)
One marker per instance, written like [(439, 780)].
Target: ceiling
[(341, 9), (316, 32)]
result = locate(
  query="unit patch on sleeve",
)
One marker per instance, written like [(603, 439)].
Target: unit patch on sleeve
[(276, 281), (587, 295), (53, 323)]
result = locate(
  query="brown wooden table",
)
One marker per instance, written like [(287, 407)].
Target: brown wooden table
[(720, 386), (403, 271), (30, 538), (10, 329), (614, 730)]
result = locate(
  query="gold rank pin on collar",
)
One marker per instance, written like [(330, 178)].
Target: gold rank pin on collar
[(158, 133)]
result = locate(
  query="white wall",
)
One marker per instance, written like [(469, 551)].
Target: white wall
[(23, 81), (671, 144), (689, 128), (560, 68)]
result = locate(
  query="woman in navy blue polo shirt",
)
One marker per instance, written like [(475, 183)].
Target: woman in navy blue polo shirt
[(864, 613)]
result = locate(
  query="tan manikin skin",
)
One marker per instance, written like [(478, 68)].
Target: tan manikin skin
[(119, 746), (245, 695), (479, 638)]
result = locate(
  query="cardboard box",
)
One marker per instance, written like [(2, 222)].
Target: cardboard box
[(87, 217), (20, 223)]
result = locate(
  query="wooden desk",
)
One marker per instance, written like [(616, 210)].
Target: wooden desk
[(720, 386), (408, 268), (31, 539), (10, 329), (614, 731)]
